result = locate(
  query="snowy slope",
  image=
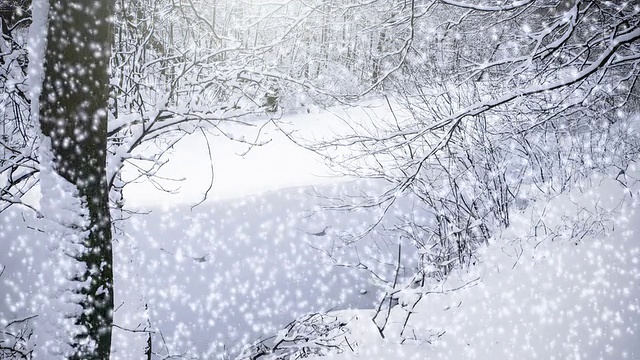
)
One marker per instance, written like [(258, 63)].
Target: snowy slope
[(572, 293)]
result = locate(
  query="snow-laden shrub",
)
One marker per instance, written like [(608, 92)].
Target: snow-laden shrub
[(310, 335), (14, 339), (15, 335)]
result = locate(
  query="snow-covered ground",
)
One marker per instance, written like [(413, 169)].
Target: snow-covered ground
[(244, 263)]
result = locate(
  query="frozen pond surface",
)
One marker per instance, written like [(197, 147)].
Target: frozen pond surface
[(231, 271)]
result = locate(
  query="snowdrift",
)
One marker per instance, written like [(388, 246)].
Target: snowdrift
[(563, 282)]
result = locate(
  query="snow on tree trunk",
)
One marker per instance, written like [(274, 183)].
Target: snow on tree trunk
[(73, 120)]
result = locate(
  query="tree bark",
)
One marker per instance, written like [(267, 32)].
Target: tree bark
[(73, 113)]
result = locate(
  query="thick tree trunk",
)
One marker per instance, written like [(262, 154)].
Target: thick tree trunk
[(73, 113)]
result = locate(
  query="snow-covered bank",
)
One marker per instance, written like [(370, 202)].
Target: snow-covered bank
[(241, 170), (563, 282)]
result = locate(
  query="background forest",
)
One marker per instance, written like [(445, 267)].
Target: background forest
[(449, 122)]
